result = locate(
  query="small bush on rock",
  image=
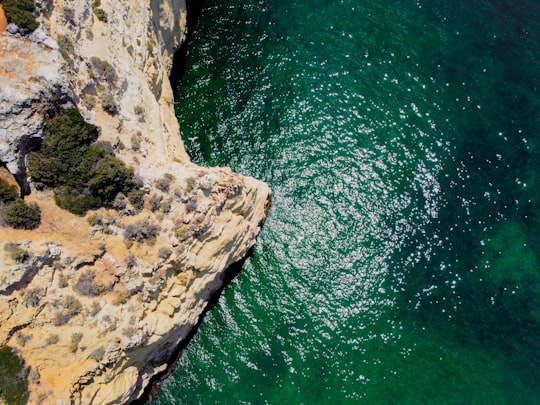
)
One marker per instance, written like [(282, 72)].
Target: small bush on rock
[(20, 12), (108, 103), (16, 253), (33, 297), (75, 340), (155, 202), (13, 373), (71, 307), (20, 215), (121, 297), (52, 340), (141, 231), (164, 183), (101, 14), (136, 198), (66, 47), (103, 70), (8, 192), (69, 15)]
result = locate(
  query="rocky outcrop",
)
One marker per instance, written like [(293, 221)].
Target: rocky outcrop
[(33, 88), (96, 306)]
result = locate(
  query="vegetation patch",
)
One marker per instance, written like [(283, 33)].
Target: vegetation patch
[(65, 44), (101, 14), (13, 373), (8, 192), (14, 211), (86, 285), (16, 253), (103, 70), (20, 215), (20, 12), (75, 340), (108, 103), (71, 307), (136, 198), (84, 174), (142, 231)]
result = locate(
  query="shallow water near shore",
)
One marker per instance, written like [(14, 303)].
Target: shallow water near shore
[(399, 263)]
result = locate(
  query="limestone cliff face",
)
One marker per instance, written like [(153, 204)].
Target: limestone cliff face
[(92, 313)]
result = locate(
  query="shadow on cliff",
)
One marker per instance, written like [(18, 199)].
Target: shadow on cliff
[(194, 9), (154, 387)]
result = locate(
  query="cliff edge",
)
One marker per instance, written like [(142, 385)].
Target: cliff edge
[(97, 305)]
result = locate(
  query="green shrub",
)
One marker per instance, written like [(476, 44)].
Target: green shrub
[(94, 310), (150, 45), (20, 215), (16, 253), (76, 201), (95, 219), (13, 373), (69, 14), (101, 14), (66, 47), (75, 340), (20, 12), (142, 231), (109, 177), (103, 70), (163, 184), (62, 281), (67, 131), (136, 141), (71, 307), (136, 198), (8, 192), (84, 175), (108, 103)]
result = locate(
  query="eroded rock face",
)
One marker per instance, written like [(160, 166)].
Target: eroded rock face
[(33, 87), (97, 305)]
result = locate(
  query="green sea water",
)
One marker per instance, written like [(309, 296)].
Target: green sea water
[(400, 261)]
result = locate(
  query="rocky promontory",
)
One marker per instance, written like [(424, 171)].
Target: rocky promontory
[(96, 305)]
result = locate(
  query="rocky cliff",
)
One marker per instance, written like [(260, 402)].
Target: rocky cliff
[(94, 312)]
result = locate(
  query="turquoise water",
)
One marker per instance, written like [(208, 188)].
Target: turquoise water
[(399, 263)]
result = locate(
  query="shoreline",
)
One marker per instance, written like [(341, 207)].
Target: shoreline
[(154, 387), (153, 293)]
